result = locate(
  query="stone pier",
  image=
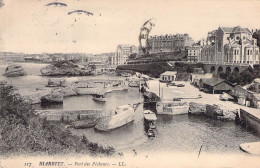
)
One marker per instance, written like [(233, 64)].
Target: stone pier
[(73, 115), (251, 118)]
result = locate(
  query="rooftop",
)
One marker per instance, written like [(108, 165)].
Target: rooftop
[(235, 29), (213, 81), (169, 73)]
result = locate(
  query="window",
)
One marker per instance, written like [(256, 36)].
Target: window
[(219, 45)]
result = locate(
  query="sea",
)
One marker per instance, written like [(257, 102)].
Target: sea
[(180, 133)]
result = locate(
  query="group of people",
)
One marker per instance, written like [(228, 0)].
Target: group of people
[(143, 87)]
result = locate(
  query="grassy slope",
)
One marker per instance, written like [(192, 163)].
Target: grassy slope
[(24, 133)]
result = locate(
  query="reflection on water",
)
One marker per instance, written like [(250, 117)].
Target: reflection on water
[(173, 133), (114, 99)]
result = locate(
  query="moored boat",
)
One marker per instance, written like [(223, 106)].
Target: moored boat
[(150, 133), (149, 119), (120, 117), (99, 97), (172, 107), (134, 84), (149, 115)]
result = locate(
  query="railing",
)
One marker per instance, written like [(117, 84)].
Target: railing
[(225, 63)]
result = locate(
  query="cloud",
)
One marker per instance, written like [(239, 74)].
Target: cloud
[(31, 26)]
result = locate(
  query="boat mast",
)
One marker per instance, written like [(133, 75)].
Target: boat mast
[(159, 90)]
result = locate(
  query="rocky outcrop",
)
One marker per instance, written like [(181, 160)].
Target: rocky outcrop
[(212, 111), (14, 70), (56, 82), (64, 68), (33, 96), (52, 98), (197, 108), (228, 114), (150, 97), (67, 91)]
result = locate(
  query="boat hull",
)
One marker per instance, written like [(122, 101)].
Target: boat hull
[(115, 121), (99, 99)]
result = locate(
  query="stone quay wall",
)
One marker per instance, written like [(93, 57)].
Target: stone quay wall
[(250, 121), (73, 115)]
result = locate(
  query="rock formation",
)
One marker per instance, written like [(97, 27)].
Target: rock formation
[(150, 97), (212, 111), (56, 82), (64, 68), (14, 70), (197, 108), (52, 98), (82, 124)]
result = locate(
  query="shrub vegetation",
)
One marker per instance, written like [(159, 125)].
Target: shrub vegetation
[(23, 132)]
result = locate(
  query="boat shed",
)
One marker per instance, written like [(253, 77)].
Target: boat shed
[(168, 76), (217, 85)]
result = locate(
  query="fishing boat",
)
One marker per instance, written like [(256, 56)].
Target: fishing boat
[(126, 74), (180, 85), (149, 116), (99, 97), (134, 84), (172, 107), (149, 119), (150, 133), (119, 117)]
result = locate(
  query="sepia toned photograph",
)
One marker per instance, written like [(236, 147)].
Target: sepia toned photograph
[(117, 83)]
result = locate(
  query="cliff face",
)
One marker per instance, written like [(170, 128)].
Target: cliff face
[(64, 68)]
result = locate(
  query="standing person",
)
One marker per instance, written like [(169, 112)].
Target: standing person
[(146, 85), (143, 89)]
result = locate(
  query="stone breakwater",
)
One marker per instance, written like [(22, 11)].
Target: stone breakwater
[(78, 119), (213, 111)]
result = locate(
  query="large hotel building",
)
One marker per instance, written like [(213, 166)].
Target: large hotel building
[(168, 43), (230, 45), (123, 51)]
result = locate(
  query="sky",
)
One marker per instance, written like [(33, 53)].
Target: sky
[(29, 26)]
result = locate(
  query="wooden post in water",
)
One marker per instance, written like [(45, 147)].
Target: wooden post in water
[(200, 151)]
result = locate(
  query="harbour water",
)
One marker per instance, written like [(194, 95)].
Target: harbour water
[(181, 133)]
